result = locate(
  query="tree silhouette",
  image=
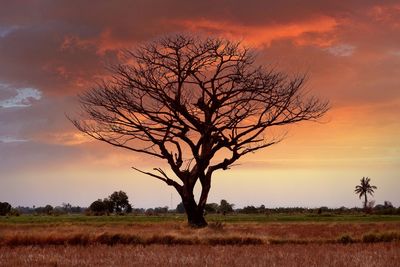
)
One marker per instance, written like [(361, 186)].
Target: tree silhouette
[(120, 202), (98, 207), (199, 104), (225, 207), (364, 188), (5, 208)]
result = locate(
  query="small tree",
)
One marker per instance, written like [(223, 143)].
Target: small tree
[(211, 207), (128, 208), (387, 204), (161, 210), (48, 209), (67, 207), (108, 206), (117, 202), (120, 201), (225, 207), (198, 104), (98, 207), (5, 208), (363, 189), (249, 209)]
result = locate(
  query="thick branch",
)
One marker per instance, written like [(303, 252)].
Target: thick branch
[(163, 178)]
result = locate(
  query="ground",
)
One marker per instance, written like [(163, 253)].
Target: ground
[(236, 240)]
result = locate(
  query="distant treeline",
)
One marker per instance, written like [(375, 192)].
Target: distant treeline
[(118, 203), (7, 209), (211, 208)]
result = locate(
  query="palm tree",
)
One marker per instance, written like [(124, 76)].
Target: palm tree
[(365, 188)]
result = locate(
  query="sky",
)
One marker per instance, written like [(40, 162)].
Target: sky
[(52, 50)]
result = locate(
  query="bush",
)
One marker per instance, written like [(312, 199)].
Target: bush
[(120, 202), (15, 212), (211, 208), (5, 208), (250, 210), (383, 237), (48, 209), (161, 210), (98, 208), (225, 207), (370, 238), (345, 239), (116, 202)]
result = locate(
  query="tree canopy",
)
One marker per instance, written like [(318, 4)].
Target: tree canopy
[(117, 202)]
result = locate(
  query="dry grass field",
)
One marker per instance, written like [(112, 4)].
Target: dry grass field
[(363, 255), (180, 233), (173, 243)]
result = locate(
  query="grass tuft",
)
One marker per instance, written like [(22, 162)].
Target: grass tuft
[(114, 239), (345, 239), (381, 237), (216, 226), (234, 240)]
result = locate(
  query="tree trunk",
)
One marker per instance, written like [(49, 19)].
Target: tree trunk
[(365, 201), (194, 213)]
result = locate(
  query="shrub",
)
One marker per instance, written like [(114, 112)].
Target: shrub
[(15, 212), (345, 239), (216, 226), (120, 202), (98, 207), (225, 207), (211, 208), (383, 237), (250, 210), (370, 238), (5, 208), (117, 201), (389, 237)]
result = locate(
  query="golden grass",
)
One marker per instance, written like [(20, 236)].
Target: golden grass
[(175, 233), (176, 244), (377, 254)]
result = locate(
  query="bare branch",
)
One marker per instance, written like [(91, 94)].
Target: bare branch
[(165, 178)]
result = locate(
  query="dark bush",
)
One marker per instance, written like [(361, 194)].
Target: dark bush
[(345, 239), (381, 237), (98, 207), (249, 209), (120, 202), (225, 207), (5, 208), (211, 208)]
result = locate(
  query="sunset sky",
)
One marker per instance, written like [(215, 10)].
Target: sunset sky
[(52, 50)]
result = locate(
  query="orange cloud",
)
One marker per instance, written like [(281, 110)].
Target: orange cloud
[(388, 14), (63, 138), (301, 32), (102, 43)]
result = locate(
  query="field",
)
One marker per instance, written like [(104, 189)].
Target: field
[(236, 240)]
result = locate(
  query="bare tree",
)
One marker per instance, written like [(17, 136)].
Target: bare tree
[(199, 104)]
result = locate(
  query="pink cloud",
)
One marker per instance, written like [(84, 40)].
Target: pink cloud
[(265, 34)]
